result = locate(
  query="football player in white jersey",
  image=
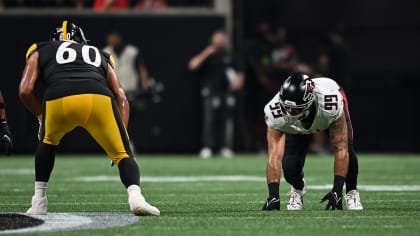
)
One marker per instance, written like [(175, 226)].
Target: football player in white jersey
[(302, 107)]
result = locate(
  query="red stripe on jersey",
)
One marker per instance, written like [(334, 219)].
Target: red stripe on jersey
[(346, 103)]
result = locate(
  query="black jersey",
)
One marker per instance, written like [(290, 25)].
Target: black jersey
[(69, 68)]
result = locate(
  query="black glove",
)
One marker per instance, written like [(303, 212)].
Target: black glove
[(6, 143), (335, 201), (272, 204)]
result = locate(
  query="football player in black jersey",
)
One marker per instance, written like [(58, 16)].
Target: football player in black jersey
[(6, 143), (82, 90)]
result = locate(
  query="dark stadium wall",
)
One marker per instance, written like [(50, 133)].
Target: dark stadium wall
[(385, 72), (167, 42)]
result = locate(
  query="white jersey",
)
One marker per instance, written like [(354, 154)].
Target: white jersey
[(125, 67), (329, 104)]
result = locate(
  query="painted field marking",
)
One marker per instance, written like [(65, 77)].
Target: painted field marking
[(237, 178), (78, 221), (17, 171)]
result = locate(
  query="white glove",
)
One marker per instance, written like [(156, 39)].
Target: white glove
[(39, 128)]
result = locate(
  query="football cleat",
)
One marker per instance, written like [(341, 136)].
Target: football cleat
[(205, 153), (39, 206), (226, 153), (296, 198), (271, 204), (353, 200), (140, 207)]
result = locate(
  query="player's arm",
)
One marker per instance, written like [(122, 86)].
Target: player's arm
[(122, 102), (27, 85), (338, 136), (276, 141), (198, 60)]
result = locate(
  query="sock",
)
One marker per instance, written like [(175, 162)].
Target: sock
[(273, 190), (44, 161), (338, 184), (133, 190), (129, 172), (40, 189), (298, 184)]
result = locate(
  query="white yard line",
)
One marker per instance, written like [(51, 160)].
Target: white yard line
[(17, 171), (236, 178)]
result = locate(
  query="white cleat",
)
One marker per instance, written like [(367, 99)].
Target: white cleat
[(140, 207), (226, 153), (296, 198), (353, 200), (205, 153), (39, 206)]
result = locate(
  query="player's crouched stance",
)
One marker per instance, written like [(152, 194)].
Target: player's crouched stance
[(82, 90), (303, 107)]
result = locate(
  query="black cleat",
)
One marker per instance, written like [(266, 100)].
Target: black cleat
[(272, 204)]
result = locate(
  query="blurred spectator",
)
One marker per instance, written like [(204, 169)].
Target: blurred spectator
[(130, 69), (333, 62), (338, 54), (101, 5), (129, 65), (271, 58), (221, 75), (151, 4)]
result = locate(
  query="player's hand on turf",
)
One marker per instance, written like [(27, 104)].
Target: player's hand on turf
[(6, 141), (335, 201), (271, 204)]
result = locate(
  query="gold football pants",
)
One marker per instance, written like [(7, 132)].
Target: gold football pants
[(97, 114)]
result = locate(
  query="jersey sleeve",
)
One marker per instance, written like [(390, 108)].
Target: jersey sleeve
[(272, 114), (31, 50), (37, 47), (109, 59)]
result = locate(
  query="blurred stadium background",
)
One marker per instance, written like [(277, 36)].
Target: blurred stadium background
[(382, 36)]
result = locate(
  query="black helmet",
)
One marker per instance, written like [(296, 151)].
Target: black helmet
[(296, 95), (68, 31)]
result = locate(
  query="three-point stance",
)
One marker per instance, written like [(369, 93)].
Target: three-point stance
[(302, 107), (82, 90)]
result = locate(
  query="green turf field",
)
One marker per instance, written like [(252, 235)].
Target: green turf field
[(227, 201)]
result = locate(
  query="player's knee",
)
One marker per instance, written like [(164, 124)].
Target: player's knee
[(117, 158)]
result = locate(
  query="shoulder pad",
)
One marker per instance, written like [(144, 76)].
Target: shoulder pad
[(109, 58), (31, 50), (34, 47), (272, 114)]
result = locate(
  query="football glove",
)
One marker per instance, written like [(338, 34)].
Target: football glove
[(335, 201), (39, 129), (6, 143), (272, 204)]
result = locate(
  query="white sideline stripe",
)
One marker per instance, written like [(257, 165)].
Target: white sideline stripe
[(238, 178)]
